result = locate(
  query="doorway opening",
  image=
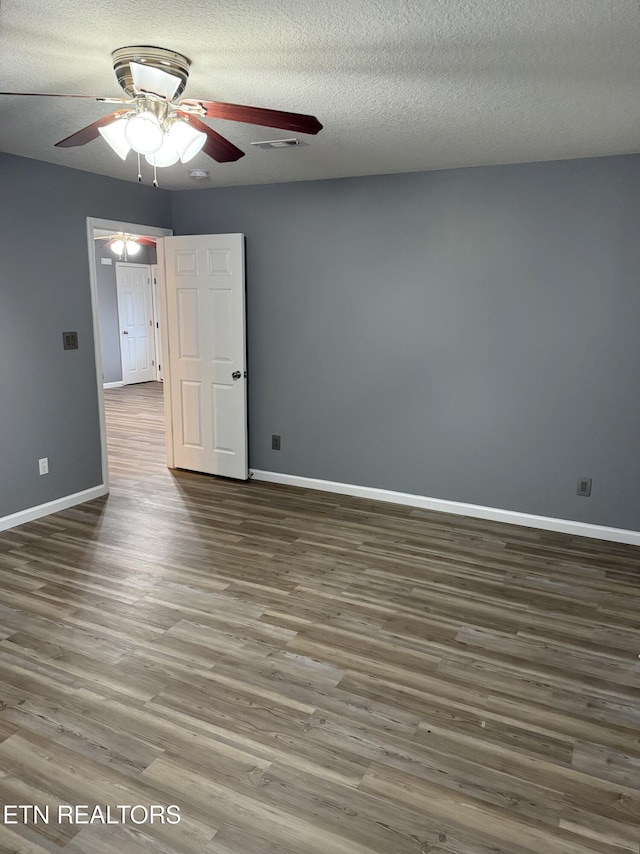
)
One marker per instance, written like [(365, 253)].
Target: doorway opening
[(129, 311), (127, 325)]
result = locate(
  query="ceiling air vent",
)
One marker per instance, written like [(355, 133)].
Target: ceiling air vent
[(279, 143)]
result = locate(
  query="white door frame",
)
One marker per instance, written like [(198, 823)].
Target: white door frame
[(112, 225), (157, 331), (148, 267)]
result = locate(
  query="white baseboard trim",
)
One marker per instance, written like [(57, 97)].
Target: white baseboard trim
[(32, 513), (476, 511), (113, 385)]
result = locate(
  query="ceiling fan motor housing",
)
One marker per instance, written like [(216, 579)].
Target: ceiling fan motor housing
[(156, 57)]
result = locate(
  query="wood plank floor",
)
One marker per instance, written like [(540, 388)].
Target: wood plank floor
[(305, 673)]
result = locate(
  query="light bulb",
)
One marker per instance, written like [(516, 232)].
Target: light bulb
[(166, 156), (186, 140), (114, 134), (133, 247), (143, 133), (117, 247)]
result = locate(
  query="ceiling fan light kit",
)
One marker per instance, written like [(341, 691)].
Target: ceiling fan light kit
[(160, 128), (124, 245), (152, 130)]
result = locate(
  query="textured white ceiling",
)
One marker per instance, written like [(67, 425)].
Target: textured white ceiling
[(399, 85)]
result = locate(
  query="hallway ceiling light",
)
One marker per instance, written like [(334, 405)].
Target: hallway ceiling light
[(124, 245), (128, 246)]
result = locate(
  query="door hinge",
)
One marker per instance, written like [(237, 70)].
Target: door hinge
[(157, 325)]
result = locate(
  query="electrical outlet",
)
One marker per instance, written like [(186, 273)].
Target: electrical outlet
[(584, 487), (43, 465), (70, 340), (275, 442)]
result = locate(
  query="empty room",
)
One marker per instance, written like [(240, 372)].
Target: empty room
[(320, 427)]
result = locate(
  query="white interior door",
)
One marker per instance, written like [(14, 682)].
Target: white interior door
[(205, 361), (156, 322), (135, 313)]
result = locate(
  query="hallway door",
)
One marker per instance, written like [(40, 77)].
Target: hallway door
[(135, 314)]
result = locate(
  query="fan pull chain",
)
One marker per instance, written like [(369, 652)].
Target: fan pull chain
[(155, 174), (139, 172)]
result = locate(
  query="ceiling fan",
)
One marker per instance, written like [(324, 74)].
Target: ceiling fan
[(155, 124), (123, 244)]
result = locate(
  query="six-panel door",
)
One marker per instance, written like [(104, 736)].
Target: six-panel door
[(205, 299), (135, 316)]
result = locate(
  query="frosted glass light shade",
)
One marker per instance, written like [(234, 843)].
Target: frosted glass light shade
[(133, 247), (143, 133), (114, 134), (166, 156), (117, 247), (149, 79), (186, 140)]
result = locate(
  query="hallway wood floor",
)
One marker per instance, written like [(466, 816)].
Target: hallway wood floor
[(306, 673)]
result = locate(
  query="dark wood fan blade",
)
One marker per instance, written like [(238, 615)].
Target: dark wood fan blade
[(90, 132), (259, 116), (106, 100), (216, 146)]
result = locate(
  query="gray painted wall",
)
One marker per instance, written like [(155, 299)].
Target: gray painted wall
[(48, 396), (108, 308), (470, 334)]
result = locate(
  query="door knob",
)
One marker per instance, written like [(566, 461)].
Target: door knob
[(125, 332), (236, 375)]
